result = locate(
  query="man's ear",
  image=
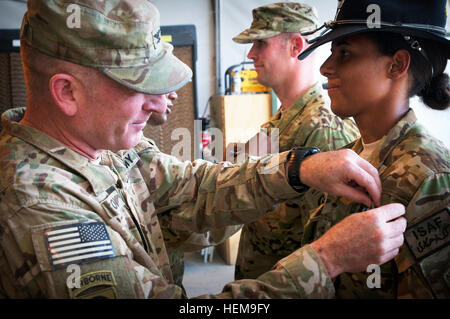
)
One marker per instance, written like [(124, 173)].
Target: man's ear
[(399, 65), (63, 89), (298, 44)]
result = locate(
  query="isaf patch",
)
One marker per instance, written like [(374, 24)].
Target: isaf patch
[(78, 243), (429, 235)]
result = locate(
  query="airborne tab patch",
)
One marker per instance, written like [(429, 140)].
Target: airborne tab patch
[(95, 285), (77, 243), (429, 235)]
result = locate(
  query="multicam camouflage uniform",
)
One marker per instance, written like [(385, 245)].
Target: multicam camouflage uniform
[(309, 122), (120, 38), (178, 242), (176, 257), (414, 170), (48, 192)]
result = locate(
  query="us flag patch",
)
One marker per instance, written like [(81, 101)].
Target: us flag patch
[(76, 243)]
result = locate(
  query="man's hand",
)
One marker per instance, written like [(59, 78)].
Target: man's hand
[(361, 239), (342, 173)]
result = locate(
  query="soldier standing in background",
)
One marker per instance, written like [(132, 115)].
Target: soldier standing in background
[(172, 237), (304, 119), (176, 257)]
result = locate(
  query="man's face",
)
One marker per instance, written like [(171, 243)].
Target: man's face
[(269, 58), (159, 119), (113, 117)]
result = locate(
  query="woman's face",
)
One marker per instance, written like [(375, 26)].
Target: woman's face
[(357, 76)]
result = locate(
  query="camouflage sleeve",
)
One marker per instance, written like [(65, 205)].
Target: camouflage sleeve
[(27, 273), (300, 275), (11, 281), (423, 261), (328, 139), (186, 241), (204, 196)]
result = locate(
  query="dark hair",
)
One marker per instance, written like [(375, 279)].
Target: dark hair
[(434, 91)]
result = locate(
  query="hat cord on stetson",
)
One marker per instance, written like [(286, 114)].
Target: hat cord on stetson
[(415, 45), (330, 24), (326, 25)]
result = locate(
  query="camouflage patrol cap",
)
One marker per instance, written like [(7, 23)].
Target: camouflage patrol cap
[(276, 18), (121, 38)]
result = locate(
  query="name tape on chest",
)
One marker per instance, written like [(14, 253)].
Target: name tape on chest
[(429, 235), (77, 243), (130, 159)]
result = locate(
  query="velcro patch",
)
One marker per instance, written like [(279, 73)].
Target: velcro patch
[(429, 235), (93, 285), (77, 243)]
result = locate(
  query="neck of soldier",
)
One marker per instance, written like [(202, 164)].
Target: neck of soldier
[(296, 83), (377, 119), (44, 120)]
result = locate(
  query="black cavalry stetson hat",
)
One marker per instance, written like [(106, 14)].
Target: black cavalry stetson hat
[(421, 18)]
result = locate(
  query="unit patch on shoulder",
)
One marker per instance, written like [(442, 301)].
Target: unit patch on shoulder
[(77, 243), (95, 285), (429, 235)]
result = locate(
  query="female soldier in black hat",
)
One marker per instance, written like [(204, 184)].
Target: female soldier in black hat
[(372, 74)]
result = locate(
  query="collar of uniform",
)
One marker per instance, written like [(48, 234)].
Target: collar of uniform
[(100, 177), (390, 141), (291, 113)]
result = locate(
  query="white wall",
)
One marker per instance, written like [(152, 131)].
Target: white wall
[(11, 13)]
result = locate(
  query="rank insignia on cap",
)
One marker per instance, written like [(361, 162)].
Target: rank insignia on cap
[(77, 243)]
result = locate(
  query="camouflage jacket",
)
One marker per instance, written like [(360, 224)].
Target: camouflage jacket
[(74, 228), (414, 169), (309, 122)]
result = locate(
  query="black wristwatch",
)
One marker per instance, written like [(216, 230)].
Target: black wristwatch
[(295, 158)]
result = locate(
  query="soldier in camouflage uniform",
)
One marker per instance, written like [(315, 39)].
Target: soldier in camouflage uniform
[(171, 237), (84, 196), (176, 257), (304, 119), (414, 166)]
